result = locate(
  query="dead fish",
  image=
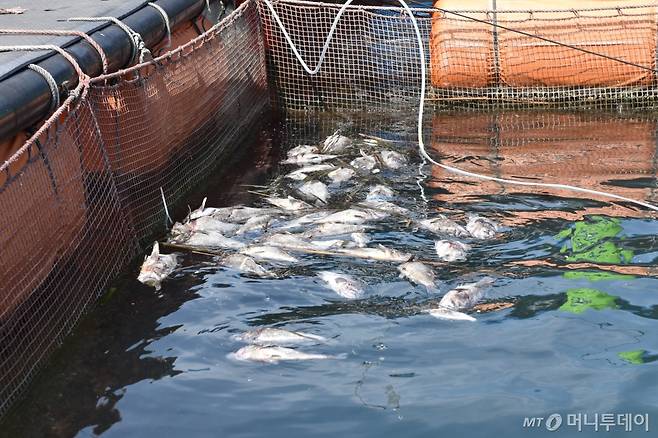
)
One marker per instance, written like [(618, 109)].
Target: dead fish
[(156, 267), (211, 239), (255, 223), (442, 313), (380, 193), (481, 227), (315, 190), (393, 160), (451, 250), (289, 203), (418, 273), (365, 163), (334, 229), (360, 239), (344, 285), (353, 216), (242, 213), (384, 207), (328, 244), (277, 336), (269, 253), (202, 211), (308, 159), (210, 223), (302, 174), (285, 240), (273, 354), (303, 149), (380, 253), (336, 143), (465, 296), (341, 175), (443, 225), (246, 265), (306, 219)]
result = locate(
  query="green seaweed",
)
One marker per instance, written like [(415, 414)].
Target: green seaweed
[(588, 241), (596, 276), (581, 299), (635, 357)]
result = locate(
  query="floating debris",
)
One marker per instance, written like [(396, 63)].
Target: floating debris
[(156, 267)]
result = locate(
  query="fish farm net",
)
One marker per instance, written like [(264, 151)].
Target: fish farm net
[(83, 197)]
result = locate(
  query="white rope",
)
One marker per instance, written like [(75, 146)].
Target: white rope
[(421, 108), (52, 84), (165, 17)]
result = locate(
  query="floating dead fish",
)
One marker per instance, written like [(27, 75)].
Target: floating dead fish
[(341, 175), (354, 216), (246, 265), (380, 253), (418, 273), (255, 223), (360, 239), (385, 207), (453, 315), (309, 159), (334, 229), (269, 253), (273, 354), (465, 296), (211, 239), (209, 223), (393, 160), (451, 250), (242, 214), (344, 285), (303, 149), (444, 226), (289, 203), (203, 211), (380, 193), (315, 190), (288, 241), (310, 218), (365, 163), (328, 244), (277, 336), (302, 174), (481, 227), (156, 267), (336, 143)]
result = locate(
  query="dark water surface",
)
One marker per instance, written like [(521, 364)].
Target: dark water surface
[(580, 337)]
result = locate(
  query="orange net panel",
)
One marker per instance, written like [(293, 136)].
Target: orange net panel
[(80, 201), (593, 53)]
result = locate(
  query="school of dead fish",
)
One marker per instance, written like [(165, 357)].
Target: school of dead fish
[(260, 239)]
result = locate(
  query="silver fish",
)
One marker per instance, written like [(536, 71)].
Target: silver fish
[(418, 273), (302, 173), (211, 239), (269, 253), (384, 206), (336, 143), (451, 250), (328, 244), (364, 163), (202, 211), (315, 190), (334, 229), (380, 253), (156, 267), (443, 225), (380, 193), (344, 285), (443, 313), (255, 223), (340, 175), (210, 223), (360, 239), (466, 296), (246, 265), (241, 213), (273, 354), (354, 216), (303, 149), (392, 159), (309, 159), (288, 203), (277, 336), (481, 227), (306, 219), (288, 241)]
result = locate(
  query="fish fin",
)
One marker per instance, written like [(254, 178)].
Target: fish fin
[(156, 249)]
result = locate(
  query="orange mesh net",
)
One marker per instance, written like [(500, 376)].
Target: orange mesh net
[(86, 192)]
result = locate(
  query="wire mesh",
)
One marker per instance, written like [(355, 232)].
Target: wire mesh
[(80, 202), (601, 57)]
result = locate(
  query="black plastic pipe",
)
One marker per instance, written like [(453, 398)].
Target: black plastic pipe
[(25, 96)]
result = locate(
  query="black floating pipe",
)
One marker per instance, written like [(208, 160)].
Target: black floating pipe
[(25, 96)]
